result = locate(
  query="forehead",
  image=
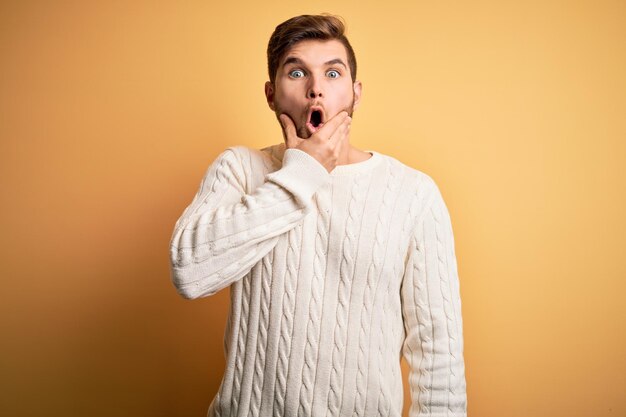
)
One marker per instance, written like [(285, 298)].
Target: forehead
[(316, 52)]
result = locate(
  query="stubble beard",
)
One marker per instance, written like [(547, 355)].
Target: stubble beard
[(301, 130)]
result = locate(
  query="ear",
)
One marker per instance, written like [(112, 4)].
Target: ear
[(269, 95), (357, 88)]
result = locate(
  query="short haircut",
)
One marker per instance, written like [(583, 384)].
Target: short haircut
[(306, 27)]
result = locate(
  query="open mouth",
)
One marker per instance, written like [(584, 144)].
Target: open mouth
[(316, 118)]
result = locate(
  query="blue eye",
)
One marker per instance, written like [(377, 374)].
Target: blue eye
[(296, 74), (333, 74)]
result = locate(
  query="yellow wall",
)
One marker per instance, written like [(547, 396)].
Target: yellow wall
[(110, 113)]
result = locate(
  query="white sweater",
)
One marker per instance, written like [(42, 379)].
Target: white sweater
[(333, 277)]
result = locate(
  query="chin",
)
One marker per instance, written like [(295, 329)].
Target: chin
[(303, 133)]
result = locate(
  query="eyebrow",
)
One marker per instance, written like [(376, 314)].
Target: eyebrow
[(298, 61), (335, 62)]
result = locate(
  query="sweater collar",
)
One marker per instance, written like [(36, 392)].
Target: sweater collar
[(357, 167), (347, 169)]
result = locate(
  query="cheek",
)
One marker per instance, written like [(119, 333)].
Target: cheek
[(286, 98), (345, 96)]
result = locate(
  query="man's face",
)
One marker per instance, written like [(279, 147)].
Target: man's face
[(313, 84)]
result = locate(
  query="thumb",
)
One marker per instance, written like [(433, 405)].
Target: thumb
[(289, 131)]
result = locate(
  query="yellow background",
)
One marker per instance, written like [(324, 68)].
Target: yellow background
[(110, 112)]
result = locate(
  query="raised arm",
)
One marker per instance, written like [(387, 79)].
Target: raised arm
[(432, 317), (225, 231)]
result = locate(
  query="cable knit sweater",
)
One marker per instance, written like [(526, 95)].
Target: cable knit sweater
[(333, 277)]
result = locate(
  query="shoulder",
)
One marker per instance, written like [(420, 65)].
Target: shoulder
[(416, 182), (244, 166), (248, 166), (421, 192), (253, 160)]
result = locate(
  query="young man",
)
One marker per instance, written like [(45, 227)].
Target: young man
[(339, 260)]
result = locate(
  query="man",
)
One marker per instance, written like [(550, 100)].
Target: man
[(339, 260)]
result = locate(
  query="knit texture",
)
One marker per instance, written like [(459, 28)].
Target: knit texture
[(333, 277)]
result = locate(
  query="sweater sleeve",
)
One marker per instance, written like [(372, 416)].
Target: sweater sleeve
[(431, 308), (224, 232)]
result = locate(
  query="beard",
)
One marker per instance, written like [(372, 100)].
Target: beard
[(301, 130)]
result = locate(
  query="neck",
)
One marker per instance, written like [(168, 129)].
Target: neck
[(344, 156), (352, 155)]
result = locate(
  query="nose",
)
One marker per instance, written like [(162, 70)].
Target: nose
[(314, 90), (313, 93)]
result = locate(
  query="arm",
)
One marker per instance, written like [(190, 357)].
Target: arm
[(224, 232), (431, 308)]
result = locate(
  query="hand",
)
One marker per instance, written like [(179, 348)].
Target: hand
[(326, 145)]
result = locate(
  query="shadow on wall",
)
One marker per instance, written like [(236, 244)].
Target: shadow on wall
[(144, 350), (106, 333)]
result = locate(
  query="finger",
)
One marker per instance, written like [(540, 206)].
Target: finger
[(289, 130), (329, 127), (341, 132)]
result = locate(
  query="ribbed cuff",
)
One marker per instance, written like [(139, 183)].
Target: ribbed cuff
[(301, 175)]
